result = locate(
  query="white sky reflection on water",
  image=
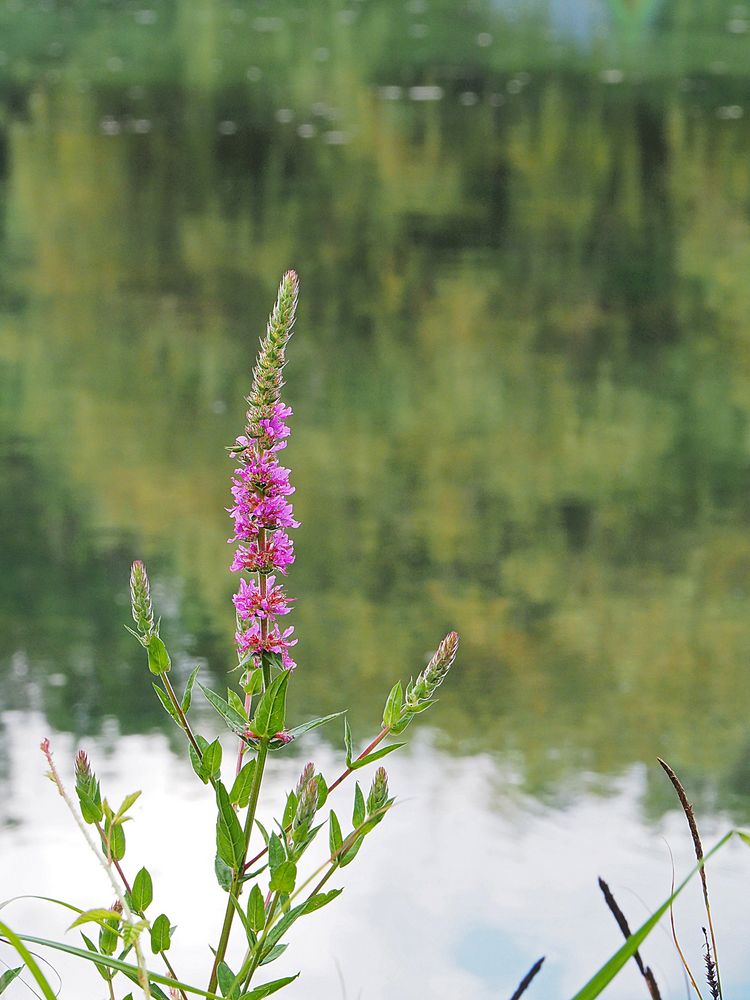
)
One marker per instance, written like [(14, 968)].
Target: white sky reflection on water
[(455, 895)]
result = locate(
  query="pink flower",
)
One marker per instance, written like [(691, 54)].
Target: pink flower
[(251, 641), (252, 603), (277, 554)]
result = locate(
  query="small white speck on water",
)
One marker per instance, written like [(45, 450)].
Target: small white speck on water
[(227, 127), (284, 116)]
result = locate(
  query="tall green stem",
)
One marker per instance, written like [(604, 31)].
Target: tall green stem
[(236, 884)]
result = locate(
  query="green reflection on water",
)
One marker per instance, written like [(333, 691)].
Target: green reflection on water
[(521, 378)]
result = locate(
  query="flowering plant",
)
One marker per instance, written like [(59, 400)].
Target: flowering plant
[(268, 892)]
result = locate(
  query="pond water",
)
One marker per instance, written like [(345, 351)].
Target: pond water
[(521, 384)]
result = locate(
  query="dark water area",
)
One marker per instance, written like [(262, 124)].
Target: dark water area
[(521, 372)]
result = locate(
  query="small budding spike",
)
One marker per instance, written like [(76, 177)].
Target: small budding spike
[(140, 598), (434, 673), (82, 769), (378, 796), (308, 773), (267, 373), (306, 808)]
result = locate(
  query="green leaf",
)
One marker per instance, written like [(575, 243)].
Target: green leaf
[(142, 893), (273, 954), (160, 934), (195, 760), (260, 992), (166, 702), (358, 816), (348, 742), (158, 657), (305, 727), (224, 874), (256, 910), (230, 840), (283, 878), (321, 899), (392, 710), (234, 701), (289, 809), (270, 714), (322, 790), (108, 940), (97, 916), (226, 981), (253, 679), (211, 763), (276, 853), (127, 802), (350, 853), (8, 976), (187, 697), (104, 973), (335, 840), (242, 786), (401, 725), (376, 755), (236, 723), (309, 906), (91, 808), (117, 842)]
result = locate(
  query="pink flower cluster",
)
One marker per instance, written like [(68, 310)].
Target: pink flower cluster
[(261, 513)]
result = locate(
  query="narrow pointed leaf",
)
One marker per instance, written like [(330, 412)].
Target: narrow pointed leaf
[(256, 911), (187, 697), (358, 816), (305, 727), (96, 916), (242, 786), (270, 714), (260, 992), (348, 742), (165, 700), (8, 976), (375, 755), (230, 840), (392, 710), (335, 840), (236, 722), (158, 657)]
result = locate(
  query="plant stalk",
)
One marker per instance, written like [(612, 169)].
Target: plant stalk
[(236, 885)]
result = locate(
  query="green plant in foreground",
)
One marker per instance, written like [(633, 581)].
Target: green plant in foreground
[(266, 893)]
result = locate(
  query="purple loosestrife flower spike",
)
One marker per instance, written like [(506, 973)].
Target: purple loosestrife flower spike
[(262, 512), (433, 674), (308, 773)]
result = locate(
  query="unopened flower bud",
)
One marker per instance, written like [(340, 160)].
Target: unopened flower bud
[(306, 808), (116, 906), (434, 673), (140, 598), (82, 768), (308, 772), (378, 796), (267, 374)]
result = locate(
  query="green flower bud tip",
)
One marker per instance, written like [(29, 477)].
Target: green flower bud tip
[(140, 598), (306, 807), (82, 768), (267, 379), (434, 673), (378, 796)]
